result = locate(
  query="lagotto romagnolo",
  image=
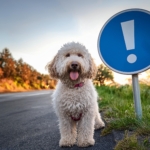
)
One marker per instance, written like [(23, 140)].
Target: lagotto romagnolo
[(75, 97)]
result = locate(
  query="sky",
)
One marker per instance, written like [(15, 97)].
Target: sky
[(35, 30)]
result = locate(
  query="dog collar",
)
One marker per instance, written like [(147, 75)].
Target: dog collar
[(79, 84)]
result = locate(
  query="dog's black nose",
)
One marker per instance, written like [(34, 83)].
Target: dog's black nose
[(74, 65)]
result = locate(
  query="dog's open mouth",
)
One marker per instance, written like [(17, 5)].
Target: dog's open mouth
[(74, 75)]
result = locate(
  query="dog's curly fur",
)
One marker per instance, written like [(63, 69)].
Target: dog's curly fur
[(75, 102)]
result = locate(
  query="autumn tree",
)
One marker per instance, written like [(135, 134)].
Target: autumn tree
[(7, 64), (26, 73), (22, 73), (1, 70), (1, 73), (103, 74)]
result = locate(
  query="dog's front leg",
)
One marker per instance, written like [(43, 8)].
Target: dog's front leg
[(86, 130), (98, 120), (68, 132)]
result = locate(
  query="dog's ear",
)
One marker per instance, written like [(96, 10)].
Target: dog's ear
[(93, 69), (52, 68)]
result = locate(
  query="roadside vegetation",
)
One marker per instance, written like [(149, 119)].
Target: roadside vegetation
[(17, 75), (117, 106)]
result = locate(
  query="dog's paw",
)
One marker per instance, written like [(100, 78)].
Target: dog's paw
[(86, 143), (66, 142), (99, 125)]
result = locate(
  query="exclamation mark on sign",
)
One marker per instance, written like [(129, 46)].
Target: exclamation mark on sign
[(128, 34)]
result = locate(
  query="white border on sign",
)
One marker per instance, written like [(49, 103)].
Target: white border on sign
[(121, 72)]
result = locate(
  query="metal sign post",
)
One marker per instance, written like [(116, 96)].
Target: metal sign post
[(136, 95)]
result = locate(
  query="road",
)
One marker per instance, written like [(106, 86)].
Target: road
[(28, 122)]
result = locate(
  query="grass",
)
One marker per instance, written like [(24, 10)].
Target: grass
[(117, 106), (8, 85), (130, 143)]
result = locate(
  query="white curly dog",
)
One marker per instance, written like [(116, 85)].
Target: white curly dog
[(75, 98)]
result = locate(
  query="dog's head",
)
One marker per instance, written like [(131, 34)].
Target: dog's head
[(72, 63)]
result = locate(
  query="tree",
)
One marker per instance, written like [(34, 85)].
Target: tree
[(22, 73), (103, 74), (7, 64), (1, 73)]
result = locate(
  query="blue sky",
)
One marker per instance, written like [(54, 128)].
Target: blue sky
[(36, 29)]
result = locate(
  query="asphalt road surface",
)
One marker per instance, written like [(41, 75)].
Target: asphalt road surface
[(28, 122)]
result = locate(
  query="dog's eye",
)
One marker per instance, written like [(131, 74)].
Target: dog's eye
[(68, 55), (80, 55)]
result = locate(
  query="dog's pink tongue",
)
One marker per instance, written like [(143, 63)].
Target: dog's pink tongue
[(74, 75)]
